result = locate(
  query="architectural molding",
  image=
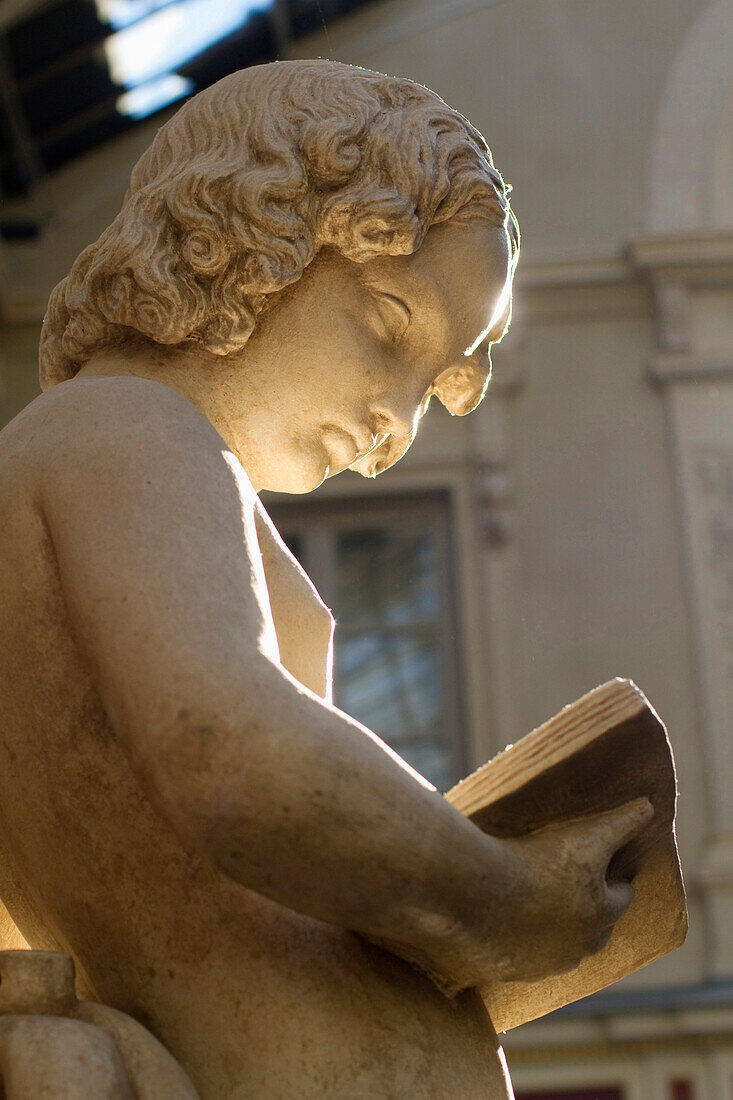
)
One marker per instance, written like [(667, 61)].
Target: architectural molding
[(631, 1023), (685, 271), (573, 271), (690, 368), (674, 265), (674, 315), (693, 253), (492, 496), (609, 1048)]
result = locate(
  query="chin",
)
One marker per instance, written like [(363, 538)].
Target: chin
[(297, 480)]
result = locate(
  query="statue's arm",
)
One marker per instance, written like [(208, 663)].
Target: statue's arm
[(152, 522)]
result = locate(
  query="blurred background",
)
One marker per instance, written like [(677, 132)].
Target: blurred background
[(579, 525)]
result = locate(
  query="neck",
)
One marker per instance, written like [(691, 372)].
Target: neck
[(210, 383)]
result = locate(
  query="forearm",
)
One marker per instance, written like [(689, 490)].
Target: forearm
[(295, 800)]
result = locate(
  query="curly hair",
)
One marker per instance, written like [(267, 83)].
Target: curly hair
[(246, 183)]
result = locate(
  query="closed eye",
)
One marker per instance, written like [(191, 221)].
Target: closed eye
[(394, 314)]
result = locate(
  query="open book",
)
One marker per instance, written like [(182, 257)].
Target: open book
[(602, 751)]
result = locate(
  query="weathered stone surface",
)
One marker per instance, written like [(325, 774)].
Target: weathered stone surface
[(54, 1046)]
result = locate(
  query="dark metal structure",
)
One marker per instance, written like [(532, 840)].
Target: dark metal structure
[(59, 99)]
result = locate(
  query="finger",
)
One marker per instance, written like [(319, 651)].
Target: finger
[(619, 896), (598, 941), (628, 821), (614, 829), (617, 899)]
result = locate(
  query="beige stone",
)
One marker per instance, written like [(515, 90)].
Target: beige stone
[(54, 1046), (306, 254)]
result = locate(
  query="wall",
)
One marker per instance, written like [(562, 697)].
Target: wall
[(613, 123)]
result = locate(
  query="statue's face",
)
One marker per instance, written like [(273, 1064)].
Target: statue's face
[(356, 350)]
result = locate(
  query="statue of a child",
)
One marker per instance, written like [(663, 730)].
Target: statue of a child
[(306, 254)]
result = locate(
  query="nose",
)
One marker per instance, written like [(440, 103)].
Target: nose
[(461, 388)]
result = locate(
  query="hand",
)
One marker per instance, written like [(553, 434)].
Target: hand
[(533, 906), (561, 905)]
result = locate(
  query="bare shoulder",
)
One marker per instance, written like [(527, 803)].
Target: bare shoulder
[(117, 427), (149, 515), (85, 411)]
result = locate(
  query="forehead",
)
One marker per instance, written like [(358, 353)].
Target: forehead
[(457, 276)]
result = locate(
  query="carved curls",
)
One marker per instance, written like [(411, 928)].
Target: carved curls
[(243, 186)]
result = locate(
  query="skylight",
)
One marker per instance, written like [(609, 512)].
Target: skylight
[(142, 101), (155, 37), (120, 13)]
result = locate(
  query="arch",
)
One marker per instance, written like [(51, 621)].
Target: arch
[(690, 178)]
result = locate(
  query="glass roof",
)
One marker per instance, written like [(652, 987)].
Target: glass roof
[(76, 73), (166, 35)]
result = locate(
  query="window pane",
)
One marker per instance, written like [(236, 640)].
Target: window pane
[(431, 759), (388, 660), (383, 567), (391, 682), (386, 576)]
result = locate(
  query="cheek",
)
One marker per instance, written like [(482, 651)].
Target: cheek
[(363, 354), (302, 466), (345, 363)]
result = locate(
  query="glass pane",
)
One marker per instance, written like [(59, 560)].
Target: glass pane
[(387, 576), (431, 759), (392, 682)]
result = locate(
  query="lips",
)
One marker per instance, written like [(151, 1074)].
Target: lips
[(382, 456), (377, 440), (367, 461)]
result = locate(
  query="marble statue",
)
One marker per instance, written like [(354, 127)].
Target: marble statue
[(306, 254)]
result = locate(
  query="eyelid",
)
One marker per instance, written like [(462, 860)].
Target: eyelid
[(399, 312)]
